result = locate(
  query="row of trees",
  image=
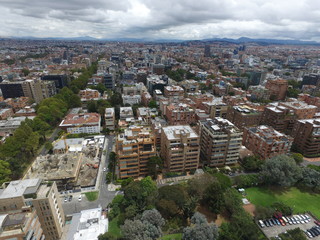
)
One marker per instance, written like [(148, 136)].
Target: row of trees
[(18, 150)]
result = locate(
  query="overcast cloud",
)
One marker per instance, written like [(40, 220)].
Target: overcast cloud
[(154, 19)]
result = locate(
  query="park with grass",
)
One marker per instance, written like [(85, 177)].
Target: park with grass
[(301, 201), (92, 196)]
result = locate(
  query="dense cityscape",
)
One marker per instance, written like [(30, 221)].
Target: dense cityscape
[(192, 140)]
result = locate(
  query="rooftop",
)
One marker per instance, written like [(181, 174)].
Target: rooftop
[(82, 118), (20, 187), (314, 121), (220, 125), (268, 134), (88, 225), (174, 132), (298, 105)]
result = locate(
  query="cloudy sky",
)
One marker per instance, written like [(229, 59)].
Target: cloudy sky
[(158, 19)]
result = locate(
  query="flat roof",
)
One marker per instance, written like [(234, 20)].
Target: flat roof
[(20, 187), (170, 131), (83, 118), (88, 225)]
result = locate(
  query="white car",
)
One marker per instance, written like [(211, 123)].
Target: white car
[(80, 198), (104, 169)]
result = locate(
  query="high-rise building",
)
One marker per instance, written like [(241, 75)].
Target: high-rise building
[(277, 89), (301, 109), (134, 148), (41, 196), (180, 114), (11, 89), (173, 92), (108, 81), (180, 148), (244, 116), (207, 51), (59, 80), (21, 225), (266, 142), (220, 142), (110, 119), (280, 118), (33, 89), (306, 135)]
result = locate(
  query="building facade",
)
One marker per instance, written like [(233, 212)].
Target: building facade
[(134, 148), (266, 142), (220, 142), (81, 123), (277, 89), (180, 148), (110, 118), (306, 134), (41, 196)]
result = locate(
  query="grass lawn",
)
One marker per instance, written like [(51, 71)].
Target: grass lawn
[(176, 236), (92, 196), (114, 228), (300, 201)]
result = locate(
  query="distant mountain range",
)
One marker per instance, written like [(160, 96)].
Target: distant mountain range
[(241, 40)]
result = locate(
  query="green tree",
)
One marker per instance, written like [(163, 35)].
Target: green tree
[(293, 93), (282, 207), (48, 146), (252, 163), (142, 194), (232, 201), (168, 208), (112, 163), (281, 170), (248, 180), (214, 197), (92, 106), (153, 104), (40, 126), (200, 229), (311, 178), (146, 228), (197, 186), (107, 236), (25, 72), (5, 172), (154, 165), (116, 99), (297, 157)]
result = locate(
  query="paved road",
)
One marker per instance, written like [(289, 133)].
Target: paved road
[(44, 151), (105, 196)]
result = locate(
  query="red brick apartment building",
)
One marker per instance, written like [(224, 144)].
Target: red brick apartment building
[(278, 89), (266, 142), (306, 135)]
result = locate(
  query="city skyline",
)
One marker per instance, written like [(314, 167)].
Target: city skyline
[(185, 20)]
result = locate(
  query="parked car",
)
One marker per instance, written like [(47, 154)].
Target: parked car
[(282, 222), (70, 198), (308, 234), (311, 233), (266, 223), (262, 225), (80, 198), (65, 199)]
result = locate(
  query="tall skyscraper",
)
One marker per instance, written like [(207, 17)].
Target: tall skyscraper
[(207, 51)]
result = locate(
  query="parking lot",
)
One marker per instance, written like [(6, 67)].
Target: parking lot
[(275, 230)]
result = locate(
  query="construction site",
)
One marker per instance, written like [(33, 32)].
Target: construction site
[(73, 164)]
